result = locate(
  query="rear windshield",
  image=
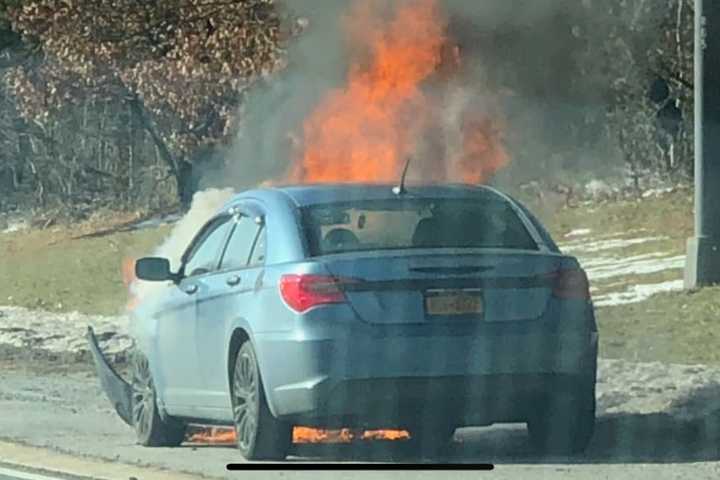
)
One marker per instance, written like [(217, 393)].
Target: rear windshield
[(413, 223)]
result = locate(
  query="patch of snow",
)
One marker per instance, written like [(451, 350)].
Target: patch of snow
[(657, 192), (16, 226), (581, 232), (598, 190), (590, 262), (637, 293), (575, 242), (61, 332), (635, 267), (599, 246)]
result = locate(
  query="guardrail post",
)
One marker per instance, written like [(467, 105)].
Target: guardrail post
[(703, 252)]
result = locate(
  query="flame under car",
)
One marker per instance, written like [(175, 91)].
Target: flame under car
[(355, 306)]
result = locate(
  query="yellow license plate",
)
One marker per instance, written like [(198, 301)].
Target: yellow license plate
[(454, 304)]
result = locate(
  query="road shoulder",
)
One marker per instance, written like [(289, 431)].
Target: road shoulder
[(46, 462)]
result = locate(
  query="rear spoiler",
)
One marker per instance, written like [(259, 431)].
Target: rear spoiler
[(116, 388)]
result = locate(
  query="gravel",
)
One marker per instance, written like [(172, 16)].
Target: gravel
[(39, 334)]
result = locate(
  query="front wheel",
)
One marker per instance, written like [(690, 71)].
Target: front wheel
[(260, 436), (150, 429), (565, 423)]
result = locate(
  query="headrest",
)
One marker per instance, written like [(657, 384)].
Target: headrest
[(426, 232), (340, 238)]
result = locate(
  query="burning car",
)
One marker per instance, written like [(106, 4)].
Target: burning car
[(424, 308)]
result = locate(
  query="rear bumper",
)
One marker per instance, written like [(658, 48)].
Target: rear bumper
[(363, 379), (404, 402)]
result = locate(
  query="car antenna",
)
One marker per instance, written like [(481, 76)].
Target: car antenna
[(400, 189)]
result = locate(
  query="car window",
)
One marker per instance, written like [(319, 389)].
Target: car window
[(542, 231), (204, 255), (259, 251), (416, 223), (239, 247)]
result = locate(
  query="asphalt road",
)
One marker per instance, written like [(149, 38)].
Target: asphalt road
[(7, 473), (66, 412)]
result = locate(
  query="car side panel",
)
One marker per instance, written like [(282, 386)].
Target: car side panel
[(164, 330), (254, 305), (225, 305)]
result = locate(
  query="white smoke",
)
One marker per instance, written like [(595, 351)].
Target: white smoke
[(205, 204)]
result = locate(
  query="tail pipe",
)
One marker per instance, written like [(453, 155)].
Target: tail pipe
[(116, 388)]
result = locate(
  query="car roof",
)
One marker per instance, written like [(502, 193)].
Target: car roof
[(312, 194)]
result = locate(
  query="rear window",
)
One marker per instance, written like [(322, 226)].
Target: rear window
[(413, 223)]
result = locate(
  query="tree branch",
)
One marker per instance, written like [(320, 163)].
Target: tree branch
[(138, 110)]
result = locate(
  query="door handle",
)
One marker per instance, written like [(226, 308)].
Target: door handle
[(232, 281), (190, 289)]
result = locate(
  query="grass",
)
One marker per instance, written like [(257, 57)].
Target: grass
[(620, 283), (51, 270), (673, 246), (667, 216), (676, 327)]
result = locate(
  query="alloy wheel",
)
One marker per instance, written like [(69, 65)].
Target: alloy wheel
[(143, 397), (245, 400)]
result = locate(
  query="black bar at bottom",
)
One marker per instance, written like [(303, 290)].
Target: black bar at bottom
[(244, 467)]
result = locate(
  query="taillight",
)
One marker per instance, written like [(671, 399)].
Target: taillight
[(571, 284), (302, 292)]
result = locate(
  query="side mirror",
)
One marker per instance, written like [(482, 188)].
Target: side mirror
[(153, 269)]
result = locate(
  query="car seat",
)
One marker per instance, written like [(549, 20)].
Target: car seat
[(340, 239), (427, 233)]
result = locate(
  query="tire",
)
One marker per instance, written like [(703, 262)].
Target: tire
[(150, 429), (260, 436), (565, 422)]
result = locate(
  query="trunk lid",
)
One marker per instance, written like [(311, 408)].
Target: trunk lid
[(401, 287)]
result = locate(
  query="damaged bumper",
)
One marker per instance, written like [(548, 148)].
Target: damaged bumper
[(116, 388)]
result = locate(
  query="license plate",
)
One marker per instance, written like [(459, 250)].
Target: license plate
[(454, 303)]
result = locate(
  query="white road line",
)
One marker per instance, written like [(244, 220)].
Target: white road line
[(25, 475)]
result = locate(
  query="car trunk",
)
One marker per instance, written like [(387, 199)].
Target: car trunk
[(402, 287)]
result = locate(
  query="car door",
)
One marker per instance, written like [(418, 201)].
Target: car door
[(224, 298), (182, 380)]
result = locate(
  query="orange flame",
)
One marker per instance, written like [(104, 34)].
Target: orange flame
[(366, 131), (214, 435), (316, 435), (385, 435), (481, 155), (128, 277), (221, 436)]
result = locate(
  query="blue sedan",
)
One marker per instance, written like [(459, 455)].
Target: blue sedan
[(364, 306)]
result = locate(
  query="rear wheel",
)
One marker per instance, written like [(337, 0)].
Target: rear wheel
[(151, 430), (260, 436), (565, 422)]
